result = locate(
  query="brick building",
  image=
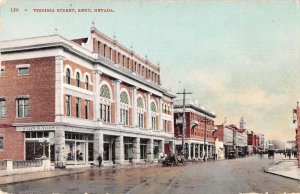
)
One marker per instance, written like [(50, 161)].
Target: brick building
[(253, 142), (197, 120), (86, 97)]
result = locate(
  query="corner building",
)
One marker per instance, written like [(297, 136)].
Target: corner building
[(86, 97), (198, 130)]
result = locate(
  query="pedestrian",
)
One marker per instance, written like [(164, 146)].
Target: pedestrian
[(100, 160)]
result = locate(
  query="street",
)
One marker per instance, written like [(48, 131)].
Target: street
[(243, 175)]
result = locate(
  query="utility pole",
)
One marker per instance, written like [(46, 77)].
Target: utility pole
[(183, 122)]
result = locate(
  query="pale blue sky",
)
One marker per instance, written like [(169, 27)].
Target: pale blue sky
[(238, 58)]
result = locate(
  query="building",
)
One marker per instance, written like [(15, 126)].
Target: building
[(86, 97), (233, 138), (253, 143), (296, 120), (263, 142), (199, 122)]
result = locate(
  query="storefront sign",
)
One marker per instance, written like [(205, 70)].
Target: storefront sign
[(54, 128)]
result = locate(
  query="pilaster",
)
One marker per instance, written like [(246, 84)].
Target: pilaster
[(59, 81), (60, 157), (117, 100), (97, 77), (134, 106)]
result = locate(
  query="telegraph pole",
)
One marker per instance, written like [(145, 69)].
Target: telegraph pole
[(183, 122)]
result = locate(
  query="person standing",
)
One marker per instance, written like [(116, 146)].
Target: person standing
[(100, 160)]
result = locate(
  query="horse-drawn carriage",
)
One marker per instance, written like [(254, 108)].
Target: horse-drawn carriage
[(173, 160), (271, 153)]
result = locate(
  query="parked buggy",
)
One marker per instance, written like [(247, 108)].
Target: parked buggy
[(271, 153), (173, 160)]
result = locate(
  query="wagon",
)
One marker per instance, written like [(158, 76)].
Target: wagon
[(271, 153)]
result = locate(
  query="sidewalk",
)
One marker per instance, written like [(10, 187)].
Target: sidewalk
[(285, 167), (36, 175)]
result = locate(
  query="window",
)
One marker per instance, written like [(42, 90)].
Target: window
[(1, 143), (124, 113), (143, 70), (119, 58), (68, 76), (78, 107), (68, 105), (22, 107), (86, 82), (1, 72), (128, 148), (99, 48), (140, 115), (104, 50), (23, 71), (2, 108), (110, 53), (128, 65), (87, 109), (105, 104), (123, 61), (78, 79), (153, 115)]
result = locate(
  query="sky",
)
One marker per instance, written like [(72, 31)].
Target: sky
[(238, 58)]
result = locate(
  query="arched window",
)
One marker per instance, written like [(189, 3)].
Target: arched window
[(104, 92), (68, 76), (140, 112), (124, 109), (86, 82), (105, 104), (153, 115), (78, 79)]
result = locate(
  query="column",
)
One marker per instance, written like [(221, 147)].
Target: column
[(59, 94), (60, 157), (134, 105), (189, 151), (148, 109), (198, 151), (120, 150), (161, 146), (150, 149), (96, 88), (136, 150), (160, 121), (194, 150), (206, 151), (98, 146), (203, 151), (117, 100)]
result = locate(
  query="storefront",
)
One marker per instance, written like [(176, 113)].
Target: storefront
[(78, 147)]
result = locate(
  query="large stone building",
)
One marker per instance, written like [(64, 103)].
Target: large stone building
[(86, 97), (198, 122)]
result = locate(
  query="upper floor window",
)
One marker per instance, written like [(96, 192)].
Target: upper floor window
[(86, 82), (124, 110), (68, 76), (1, 72), (78, 107), (153, 115), (1, 143), (143, 70), (78, 79), (24, 71), (87, 109), (22, 107), (123, 61), (104, 50), (105, 104), (99, 48), (110, 53), (140, 114), (68, 105), (119, 58), (2, 108)]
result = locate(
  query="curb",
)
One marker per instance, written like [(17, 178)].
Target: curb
[(267, 171)]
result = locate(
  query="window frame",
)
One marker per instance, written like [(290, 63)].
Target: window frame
[(68, 105), (23, 105), (78, 79), (68, 76), (78, 107), (1, 108), (1, 140), (87, 80), (87, 109)]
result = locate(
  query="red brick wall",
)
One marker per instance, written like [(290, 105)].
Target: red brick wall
[(39, 85), (298, 134), (13, 145)]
